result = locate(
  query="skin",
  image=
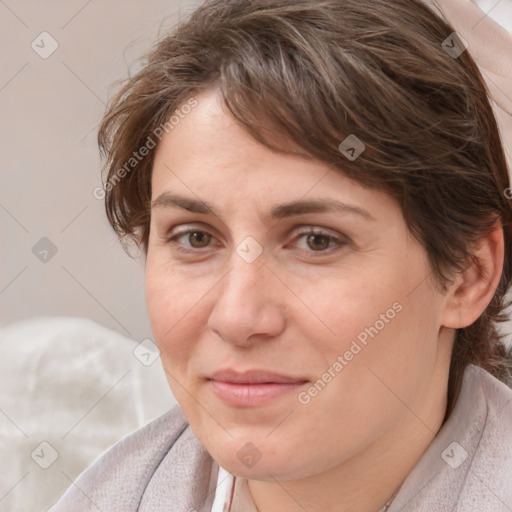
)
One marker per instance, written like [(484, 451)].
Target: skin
[(294, 310)]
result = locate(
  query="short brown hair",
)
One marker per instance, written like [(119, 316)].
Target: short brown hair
[(316, 72)]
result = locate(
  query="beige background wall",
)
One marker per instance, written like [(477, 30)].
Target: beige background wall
[(49, 111)]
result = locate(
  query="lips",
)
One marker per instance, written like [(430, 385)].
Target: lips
[(255, 377), (252, 388)]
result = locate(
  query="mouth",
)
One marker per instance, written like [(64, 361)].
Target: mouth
[(254, 387)]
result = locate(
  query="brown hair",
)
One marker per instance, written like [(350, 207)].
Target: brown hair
[(316, 72)]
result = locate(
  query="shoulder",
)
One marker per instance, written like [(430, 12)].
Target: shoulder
[(489, 472), (497, 396), (468, 465), (495, 436), (117, 479)]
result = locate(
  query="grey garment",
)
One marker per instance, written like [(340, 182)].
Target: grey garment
[(160, 467), (468, 465), (163, 467)]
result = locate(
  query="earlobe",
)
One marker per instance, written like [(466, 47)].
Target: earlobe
[(473, 289)]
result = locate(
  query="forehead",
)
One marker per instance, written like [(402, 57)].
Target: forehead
[(209, 158), (208, 137)]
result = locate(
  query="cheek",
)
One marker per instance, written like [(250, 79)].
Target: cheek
[(159, 298), (346, 309), (172, 311), (380, 361), (175, 322), (388, 348), (380, 320)]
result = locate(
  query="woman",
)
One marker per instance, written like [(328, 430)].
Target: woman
[(320, 192)]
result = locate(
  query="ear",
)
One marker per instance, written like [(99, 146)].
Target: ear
[(473, 289)]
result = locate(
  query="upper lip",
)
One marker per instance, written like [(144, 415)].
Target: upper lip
[(254, 377)]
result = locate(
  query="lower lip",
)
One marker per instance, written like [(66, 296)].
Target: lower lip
[(250, 395)]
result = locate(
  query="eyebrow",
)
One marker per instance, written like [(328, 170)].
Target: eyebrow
[(279, 211)]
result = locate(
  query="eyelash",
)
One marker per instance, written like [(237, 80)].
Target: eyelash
[(339, 242)]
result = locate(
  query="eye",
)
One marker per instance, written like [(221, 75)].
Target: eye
[(318, 240), (197, 238)]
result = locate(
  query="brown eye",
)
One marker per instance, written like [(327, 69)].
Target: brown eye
[(318, 242), (190, 241), (199, 239)]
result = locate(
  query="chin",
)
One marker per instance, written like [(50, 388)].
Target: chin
[(244, 459), (267, 471)]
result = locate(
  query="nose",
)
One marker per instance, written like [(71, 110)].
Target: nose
[(248, 305)]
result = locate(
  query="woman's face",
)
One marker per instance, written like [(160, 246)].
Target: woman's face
[(346, 316)]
